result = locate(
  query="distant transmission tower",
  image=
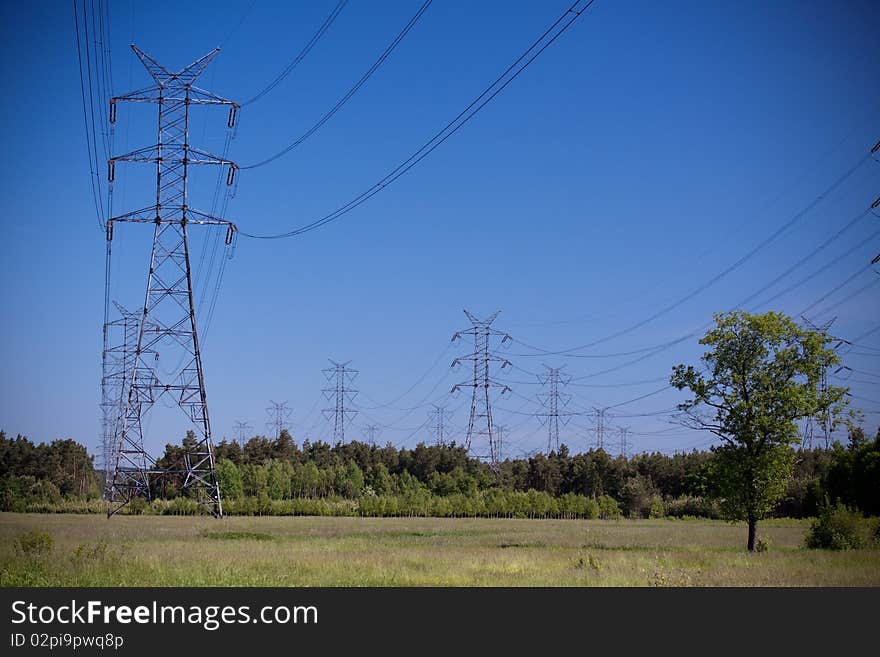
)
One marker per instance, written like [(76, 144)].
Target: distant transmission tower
[(624, 445), (438, 418), (499, 441), (168, 317), (371, 430), (242, 430), (278, 416), (550, 401), (824, 418), (341, 375), (120, 344), (600, 427), (480, 424)]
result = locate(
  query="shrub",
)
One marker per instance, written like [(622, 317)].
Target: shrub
[(656, 509), (138, 506), (693, 507), (608, 508), (837, 528), (34, 544), (182, 506)]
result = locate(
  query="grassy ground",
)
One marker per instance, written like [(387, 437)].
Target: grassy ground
[(90, 550)]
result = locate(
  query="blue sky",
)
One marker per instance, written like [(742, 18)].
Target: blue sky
[(643, 153)]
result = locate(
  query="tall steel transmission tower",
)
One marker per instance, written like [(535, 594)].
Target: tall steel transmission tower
[(824, 417), (278, 416), (601, 414), (371, 431), (500, 429), (550, 401), (242, 429), (168, 319), (120, 343), (437, 417), (480, 425), (341, 375), (624, 444)]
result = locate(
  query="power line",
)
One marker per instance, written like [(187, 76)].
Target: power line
[(302, 53), (413, 386), (351, 92), (722, 274), (500, 83), (855, 247), (837, 287), (656, 349), (849, 297), (91, 142), (238, 24)]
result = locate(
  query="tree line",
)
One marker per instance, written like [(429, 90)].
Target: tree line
[(266, 476)]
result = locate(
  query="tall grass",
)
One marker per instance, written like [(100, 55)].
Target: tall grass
[(89, 550)]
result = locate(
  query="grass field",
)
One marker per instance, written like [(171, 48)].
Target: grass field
[(89, 550)]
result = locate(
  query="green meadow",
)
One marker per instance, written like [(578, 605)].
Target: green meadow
[(90, 550)]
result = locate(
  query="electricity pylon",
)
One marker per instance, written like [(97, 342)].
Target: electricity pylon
[(120, 342), (242, 429), (168, 320), (601, 414), (824, 416), (550, 401), (339, 393), (624, 443), (278, 415), (438, 418), (480, 422), (371, 431)]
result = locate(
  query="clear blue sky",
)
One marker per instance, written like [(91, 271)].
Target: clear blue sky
[(643, 153)]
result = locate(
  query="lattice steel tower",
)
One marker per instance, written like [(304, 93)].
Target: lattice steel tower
[(438, 418), (823, 418), (370, 432), (278, 413), (601, 415), (480, 422), (340, 393), (120, 343), (550, 401), (168, 321), (242, 429)]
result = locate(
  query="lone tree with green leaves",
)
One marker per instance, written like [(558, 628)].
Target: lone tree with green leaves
[(761, 375)]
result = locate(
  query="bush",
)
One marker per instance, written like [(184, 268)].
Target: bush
[(692, 507), (34, 544), (837, 528), (138, 506), (656, 509), (609, 509)]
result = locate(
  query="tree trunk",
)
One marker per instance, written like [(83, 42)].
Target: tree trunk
[(753, 530)]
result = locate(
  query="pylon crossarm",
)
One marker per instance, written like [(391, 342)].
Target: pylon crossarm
[(170, 154), (157, 94), (148, 216), (199, 96), (145, 95)]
